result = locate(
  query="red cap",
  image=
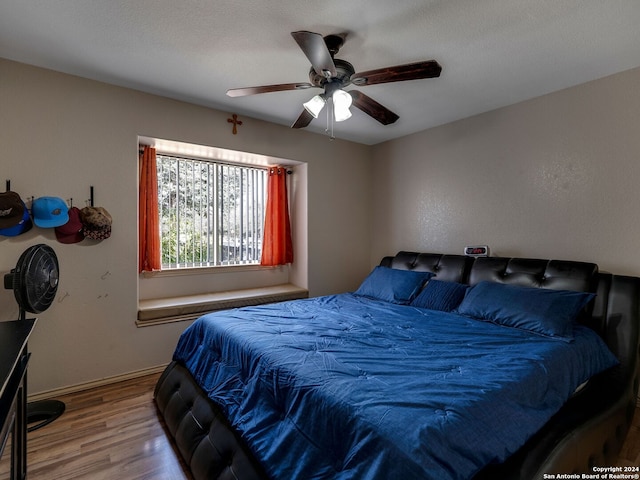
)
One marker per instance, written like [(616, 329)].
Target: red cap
[(71, 232)]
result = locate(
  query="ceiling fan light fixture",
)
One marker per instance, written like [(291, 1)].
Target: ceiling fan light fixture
[(341, 103), (315, 105)]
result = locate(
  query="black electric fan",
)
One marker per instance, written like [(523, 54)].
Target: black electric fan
[(34, 282)]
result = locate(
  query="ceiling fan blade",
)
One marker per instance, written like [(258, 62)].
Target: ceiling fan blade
[(399, 73), (243, 92), (372, 108), (315, 48), (303, 120)]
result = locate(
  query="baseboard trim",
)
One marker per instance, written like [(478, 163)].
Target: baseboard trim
[(56, 392)]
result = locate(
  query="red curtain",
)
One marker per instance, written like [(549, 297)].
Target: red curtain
[(148, 222), (277, 248)]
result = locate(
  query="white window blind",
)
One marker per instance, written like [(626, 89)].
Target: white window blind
[(211, 213)]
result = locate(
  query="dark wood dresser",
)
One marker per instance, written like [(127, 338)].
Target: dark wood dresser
[(14, 358)]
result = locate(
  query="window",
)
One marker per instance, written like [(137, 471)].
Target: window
[(211, 213)]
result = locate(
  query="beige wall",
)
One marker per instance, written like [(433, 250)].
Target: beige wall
[(554, 177), (61, 134)]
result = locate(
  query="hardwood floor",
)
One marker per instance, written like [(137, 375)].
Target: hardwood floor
[(110, 432), (114, 432)]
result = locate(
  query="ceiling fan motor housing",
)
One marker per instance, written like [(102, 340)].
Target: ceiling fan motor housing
[(344, 71)]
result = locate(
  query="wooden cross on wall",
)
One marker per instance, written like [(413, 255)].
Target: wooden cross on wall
[(235, 121)]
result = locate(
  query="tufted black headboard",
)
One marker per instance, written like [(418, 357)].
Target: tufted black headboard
[(527, 272), (590, 429), (557, 274)]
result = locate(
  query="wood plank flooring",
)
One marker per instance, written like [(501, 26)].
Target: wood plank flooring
[(114, 432), (106, 433)]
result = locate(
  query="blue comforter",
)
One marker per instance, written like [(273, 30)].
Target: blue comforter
[(345, 387)]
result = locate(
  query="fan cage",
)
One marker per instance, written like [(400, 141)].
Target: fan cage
[(35, 279)]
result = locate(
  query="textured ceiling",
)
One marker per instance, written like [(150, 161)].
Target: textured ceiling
[(493, 52)]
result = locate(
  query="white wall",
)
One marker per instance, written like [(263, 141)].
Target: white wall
[(554, 177), (61, 134)]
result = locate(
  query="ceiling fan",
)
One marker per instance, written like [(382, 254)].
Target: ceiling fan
[(333, 75)]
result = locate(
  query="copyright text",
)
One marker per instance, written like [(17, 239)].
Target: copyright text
[(598, 473)]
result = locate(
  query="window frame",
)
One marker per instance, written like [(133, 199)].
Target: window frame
[(214, 208)]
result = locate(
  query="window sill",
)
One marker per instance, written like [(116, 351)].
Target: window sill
[(175, 272), (190, 307)]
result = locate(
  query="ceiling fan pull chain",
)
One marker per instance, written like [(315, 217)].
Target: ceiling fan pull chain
[(330, 116)]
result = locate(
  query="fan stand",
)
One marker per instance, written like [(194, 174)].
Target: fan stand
[(38, 265), (41, 412)]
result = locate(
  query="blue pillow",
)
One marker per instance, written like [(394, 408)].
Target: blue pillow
[(539, 310), (392, 285), (439, 295)]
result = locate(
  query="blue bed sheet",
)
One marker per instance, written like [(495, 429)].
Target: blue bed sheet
[(345, 387)]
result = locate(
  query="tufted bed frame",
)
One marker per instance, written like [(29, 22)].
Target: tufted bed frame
[(588, 431)]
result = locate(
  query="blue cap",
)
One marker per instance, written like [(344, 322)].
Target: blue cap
[(49, 212)]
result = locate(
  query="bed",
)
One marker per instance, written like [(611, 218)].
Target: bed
[(438, 366)]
